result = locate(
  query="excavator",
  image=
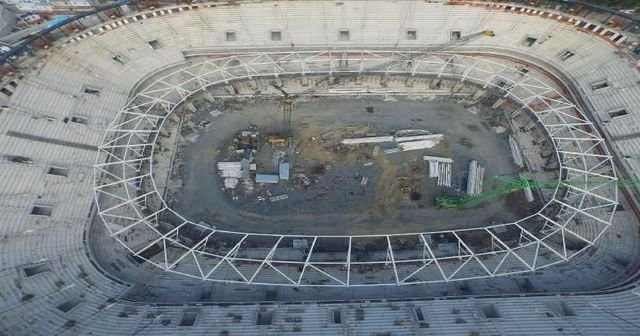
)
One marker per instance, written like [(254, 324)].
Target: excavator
[(514, 184)]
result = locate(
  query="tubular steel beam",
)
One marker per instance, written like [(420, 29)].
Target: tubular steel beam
[(579, 149)]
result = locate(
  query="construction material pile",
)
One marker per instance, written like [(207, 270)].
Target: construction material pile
[(440, 168), (231, 172), (515, 152), (475, 180), (406, 140)]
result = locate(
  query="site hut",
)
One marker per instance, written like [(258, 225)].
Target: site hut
[(267, 178), (283, 170)]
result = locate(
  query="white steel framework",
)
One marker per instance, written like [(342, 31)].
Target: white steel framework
[(135, 214)]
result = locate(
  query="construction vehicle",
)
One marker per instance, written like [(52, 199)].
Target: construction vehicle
[(489, 33), (275, 140), (522, 183), (287, 109)]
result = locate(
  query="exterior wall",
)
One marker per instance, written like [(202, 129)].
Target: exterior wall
[(29, 305)]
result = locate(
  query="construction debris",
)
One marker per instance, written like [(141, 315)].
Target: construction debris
[(278, 198), (230, 182), (305, 180), (230, 169), (248, 139), (392, 150), (364, 181), (376, 149)]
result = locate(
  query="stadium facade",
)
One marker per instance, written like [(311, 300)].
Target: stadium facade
[(89, 246)]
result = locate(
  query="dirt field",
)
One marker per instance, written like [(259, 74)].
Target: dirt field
[(336, 202)]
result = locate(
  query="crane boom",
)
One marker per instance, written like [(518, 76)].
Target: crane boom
[(287, 109), (512, 185)]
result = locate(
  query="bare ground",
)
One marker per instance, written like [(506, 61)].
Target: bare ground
[(336, 203)]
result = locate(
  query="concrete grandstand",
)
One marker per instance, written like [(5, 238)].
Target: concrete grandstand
[(92, 245)]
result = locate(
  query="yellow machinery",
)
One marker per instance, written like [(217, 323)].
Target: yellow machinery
[(489, 33), (274, 139), (287, 109)]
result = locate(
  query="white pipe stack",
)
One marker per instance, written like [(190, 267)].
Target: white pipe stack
[(444, 174), (405, 143), (475, 181), (437, 158), (515, 153), (433, 169), (471, 179), (356, 141), (432, 137)]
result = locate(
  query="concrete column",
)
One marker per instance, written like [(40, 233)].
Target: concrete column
[(530, 126), (384, 80), (252, 84), (189, 106), (208, 97), (304, 81), (457, 87), (409, 81), (516, 113), (231, 89), (497, 104), (479, 94)]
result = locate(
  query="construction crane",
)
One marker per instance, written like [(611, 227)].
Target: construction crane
[(515, 184), (287, 109)]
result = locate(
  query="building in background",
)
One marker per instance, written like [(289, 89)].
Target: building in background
[(47, 6)]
